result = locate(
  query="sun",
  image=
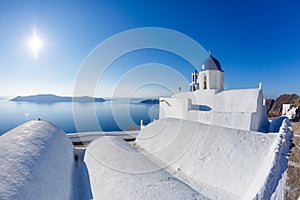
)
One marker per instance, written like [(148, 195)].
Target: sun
[(35, 44)]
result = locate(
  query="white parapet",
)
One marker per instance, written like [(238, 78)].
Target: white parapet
[(219, 162), (118, 171), (36, 162)]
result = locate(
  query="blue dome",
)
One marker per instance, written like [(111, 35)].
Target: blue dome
[(211, 63)]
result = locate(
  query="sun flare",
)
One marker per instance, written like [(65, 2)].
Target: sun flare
[(35, 44)]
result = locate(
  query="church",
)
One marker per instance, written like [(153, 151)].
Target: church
[(207, 102)]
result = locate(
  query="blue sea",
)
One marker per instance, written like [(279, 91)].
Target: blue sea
[(111, 115)]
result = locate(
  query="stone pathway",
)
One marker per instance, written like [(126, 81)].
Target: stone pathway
[(293, 174)]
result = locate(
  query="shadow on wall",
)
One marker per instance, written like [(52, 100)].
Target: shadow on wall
[(200, 107), (82, 175), (276, 123)]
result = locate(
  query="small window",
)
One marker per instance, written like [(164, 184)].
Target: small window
[(204, 83)]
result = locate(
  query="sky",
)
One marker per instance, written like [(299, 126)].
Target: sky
[(254, 40)]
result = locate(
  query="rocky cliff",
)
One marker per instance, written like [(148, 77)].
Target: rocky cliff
[(274, 107)]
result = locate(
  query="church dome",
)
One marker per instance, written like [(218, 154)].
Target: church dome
[(211, 63)]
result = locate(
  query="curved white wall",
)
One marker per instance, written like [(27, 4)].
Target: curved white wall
[(36, 162), (222, 162), (118, 171)]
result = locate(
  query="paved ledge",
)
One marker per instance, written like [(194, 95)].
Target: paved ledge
[(84, 138)]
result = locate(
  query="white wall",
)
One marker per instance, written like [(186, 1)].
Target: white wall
[(118, 171), (244, 100), (221, 162), (242, 109), (36, 162), (259, 119), (226, 119), (214, 78), (173, 107)]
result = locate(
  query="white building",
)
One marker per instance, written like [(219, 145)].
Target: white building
[(208, 102), (210, 77), (289, 110)]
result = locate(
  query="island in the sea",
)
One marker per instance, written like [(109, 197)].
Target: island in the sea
[(150, 101), (50, 98)]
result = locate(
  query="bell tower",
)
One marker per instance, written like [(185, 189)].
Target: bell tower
[(211, 75)]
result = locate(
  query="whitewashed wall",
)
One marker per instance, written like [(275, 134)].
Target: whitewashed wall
[(36, 162), (222, 163), (241, 109)]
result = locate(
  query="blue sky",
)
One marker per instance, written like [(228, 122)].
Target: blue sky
[(255, 41)]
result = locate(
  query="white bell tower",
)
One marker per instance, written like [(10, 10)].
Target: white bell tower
[(211, 76)]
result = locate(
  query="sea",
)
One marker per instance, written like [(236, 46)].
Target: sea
[(112, 115)]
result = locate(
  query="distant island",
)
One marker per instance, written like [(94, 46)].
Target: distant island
[(50, 98), (150, 101)]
